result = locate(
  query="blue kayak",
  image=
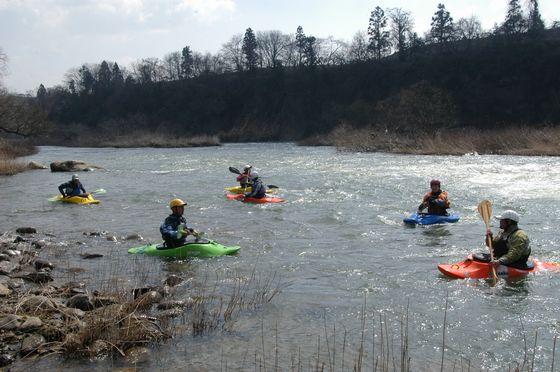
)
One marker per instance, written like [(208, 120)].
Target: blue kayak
[(430, 219)]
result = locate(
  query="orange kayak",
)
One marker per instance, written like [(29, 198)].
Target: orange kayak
[(472, 268), (266, 199)]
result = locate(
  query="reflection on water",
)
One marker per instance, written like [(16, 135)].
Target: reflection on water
[(337, 237)]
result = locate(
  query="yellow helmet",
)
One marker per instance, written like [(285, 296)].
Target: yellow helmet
[(176, 203)]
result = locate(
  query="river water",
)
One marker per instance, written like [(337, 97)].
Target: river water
[(337, 243)]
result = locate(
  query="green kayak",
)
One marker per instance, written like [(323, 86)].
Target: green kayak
[(201, 249)]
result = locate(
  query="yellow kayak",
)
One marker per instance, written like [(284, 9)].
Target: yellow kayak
[(77, 199), (243, 190)]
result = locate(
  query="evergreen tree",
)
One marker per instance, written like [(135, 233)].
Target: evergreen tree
[(41, 93), (87, 81), (118, 79), (72, 86), (310, 51), (104, 78), (250, 49), (301, 45), (515, 23), (442, 29), (186, 63), (536, 24), (379, 42)]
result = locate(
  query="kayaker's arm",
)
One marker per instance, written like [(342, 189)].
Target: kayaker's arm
[(62, 189), (518, 247)]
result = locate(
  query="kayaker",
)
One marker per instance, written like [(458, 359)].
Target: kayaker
[(73, 188), (511, 244), (436, 200), (174, 230), (258, 189), (244, 178)]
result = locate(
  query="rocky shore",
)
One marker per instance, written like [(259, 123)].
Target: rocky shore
[(42, 314)]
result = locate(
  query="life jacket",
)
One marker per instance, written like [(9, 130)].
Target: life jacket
[(436, 208), (243, 179), (501, 248)]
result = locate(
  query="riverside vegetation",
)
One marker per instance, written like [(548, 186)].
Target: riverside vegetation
[(459, 88), (44, 310)]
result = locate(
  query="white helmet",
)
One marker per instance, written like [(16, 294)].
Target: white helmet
[(254, 175), (75, 177), (247, 167), (509, 215)]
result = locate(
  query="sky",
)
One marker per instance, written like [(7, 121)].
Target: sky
[(43, 39)]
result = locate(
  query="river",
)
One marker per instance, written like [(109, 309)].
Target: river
[(337, 243)]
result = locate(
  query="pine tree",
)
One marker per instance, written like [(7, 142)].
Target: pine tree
[(301, 43), (41, 93), (379, 42), (442, 26), (118, 79), (536, 24), (104, 77), (515, 23), (186, 63), (87, 81), (250, 49)]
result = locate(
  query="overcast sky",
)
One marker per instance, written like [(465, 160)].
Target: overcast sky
[(45, 38)]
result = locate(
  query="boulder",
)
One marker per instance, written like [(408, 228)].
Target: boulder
[(38, 277), (87, 255), (71, 166), (4, 257), (137, 354), (112, 238), (5, 291), (31, 343), (26, 230), (39, 244), (9, 322), (80, 301), (134, 236), (35, 165), (37, 304), (6, 359), (173, 280), (40, 264), (8, 267), (32, 322)]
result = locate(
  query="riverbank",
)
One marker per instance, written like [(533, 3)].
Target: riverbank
[(9, 151), (526, 141), (43, 312)]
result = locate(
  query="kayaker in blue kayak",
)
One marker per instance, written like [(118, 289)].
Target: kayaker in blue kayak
[(436, 200), (174, 230), (258, 189), (73, 188), (511, 244), (244, 178)]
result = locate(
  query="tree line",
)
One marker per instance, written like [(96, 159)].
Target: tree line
[(299, 84)]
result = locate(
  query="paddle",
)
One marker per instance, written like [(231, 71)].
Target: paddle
[(485, 210), (236, 171)]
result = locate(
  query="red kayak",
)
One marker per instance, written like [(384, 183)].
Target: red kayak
[(475, 269), (266, 199)]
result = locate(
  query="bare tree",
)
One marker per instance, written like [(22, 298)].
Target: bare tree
[(21, 117), (468, 28), (400, 29), (148, 70), (359, 50), (271, 45), (331, 51), (172, 66), (289, 54), (3, 66), (233, 52)]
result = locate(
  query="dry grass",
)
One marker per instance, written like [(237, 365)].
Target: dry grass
[(9, 150), (159, 140), (510, 141)]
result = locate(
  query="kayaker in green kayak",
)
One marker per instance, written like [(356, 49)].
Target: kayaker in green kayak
[(258, 190), (436, 200), (174, 230), (511, 244), (244, 178), (73, 188)]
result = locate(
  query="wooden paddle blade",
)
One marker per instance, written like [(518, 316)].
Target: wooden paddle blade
[(234, 170), (485, 210)]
